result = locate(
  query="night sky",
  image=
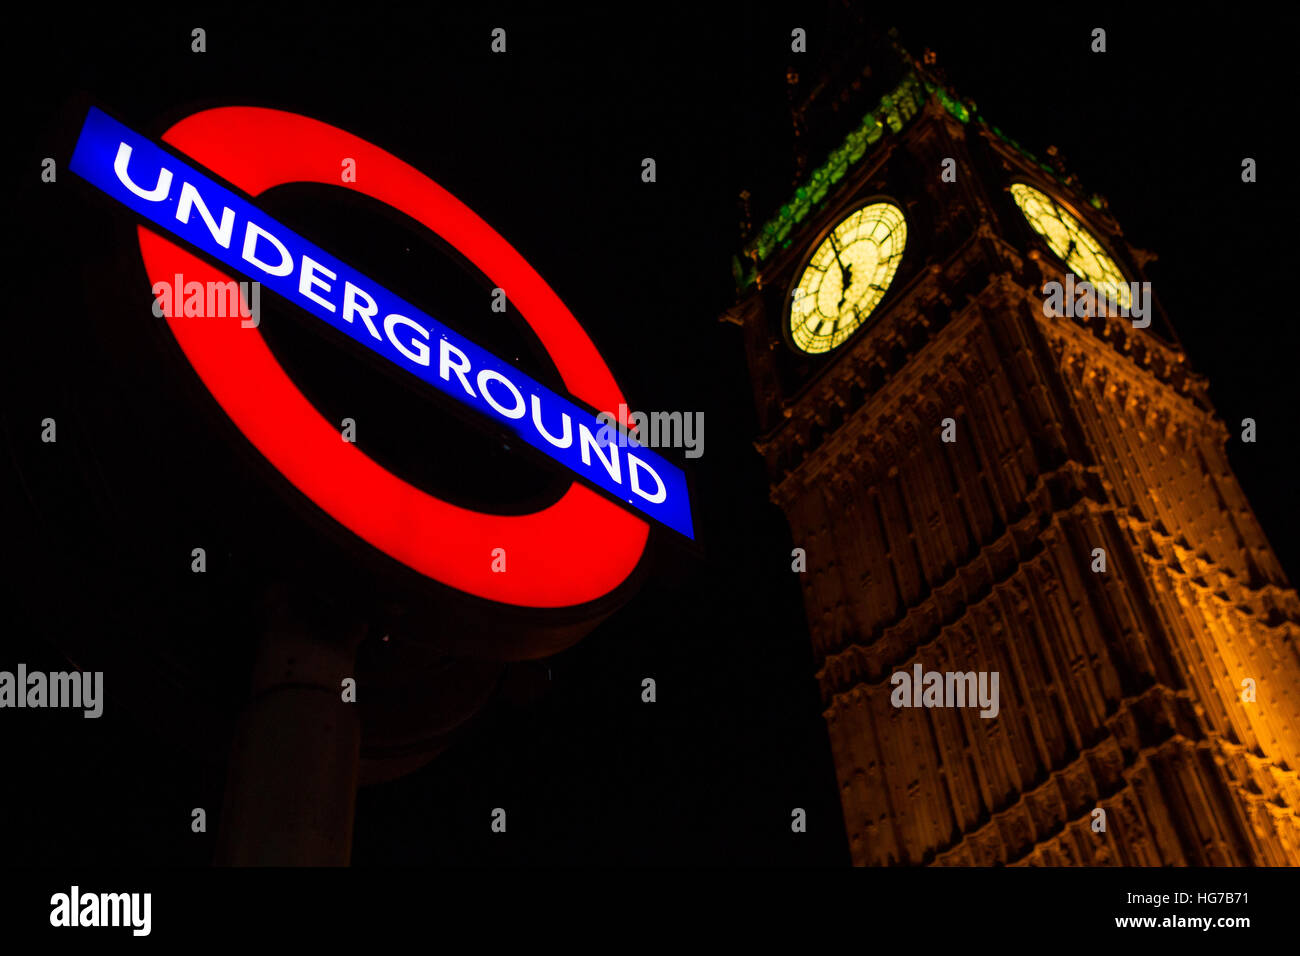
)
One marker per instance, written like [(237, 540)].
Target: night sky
[(545, 143)]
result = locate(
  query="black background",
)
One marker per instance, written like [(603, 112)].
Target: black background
[(545, 143)]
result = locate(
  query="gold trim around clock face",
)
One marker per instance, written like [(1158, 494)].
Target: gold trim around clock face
[(847, 277), (1070, 242)]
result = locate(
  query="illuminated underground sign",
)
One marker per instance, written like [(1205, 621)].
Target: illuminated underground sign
[(576, 550)]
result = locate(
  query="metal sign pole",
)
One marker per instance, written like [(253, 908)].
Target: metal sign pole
[(294, 767)]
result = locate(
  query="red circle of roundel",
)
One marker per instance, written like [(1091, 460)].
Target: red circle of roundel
[(574, 551)]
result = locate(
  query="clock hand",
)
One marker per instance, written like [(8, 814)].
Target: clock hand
[(835, 248), (846, 272)]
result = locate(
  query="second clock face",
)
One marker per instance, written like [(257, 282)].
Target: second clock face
[(1074, 245), (847, 277)]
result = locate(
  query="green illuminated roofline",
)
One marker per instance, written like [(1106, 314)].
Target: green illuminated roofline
[(894, 111)]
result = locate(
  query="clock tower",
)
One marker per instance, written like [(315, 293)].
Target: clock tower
[(977, 483)]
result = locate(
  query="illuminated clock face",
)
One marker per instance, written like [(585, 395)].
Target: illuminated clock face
[(847, 277), (1071, 243)]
